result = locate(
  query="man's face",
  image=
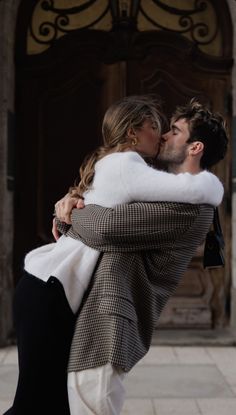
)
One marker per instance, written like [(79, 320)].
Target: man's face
[(173, 149)]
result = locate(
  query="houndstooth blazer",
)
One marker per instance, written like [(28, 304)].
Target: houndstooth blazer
[(145, 249)]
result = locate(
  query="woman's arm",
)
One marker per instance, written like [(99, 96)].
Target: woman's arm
[(144, 183)]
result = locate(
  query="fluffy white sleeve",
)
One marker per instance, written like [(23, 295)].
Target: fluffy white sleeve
[(144, 183)]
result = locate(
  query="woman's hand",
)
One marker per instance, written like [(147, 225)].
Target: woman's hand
[(63, 209), (80, 204)]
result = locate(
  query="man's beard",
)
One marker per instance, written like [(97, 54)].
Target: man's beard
[(169, 160)]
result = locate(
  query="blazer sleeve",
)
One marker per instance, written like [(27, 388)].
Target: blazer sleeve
[(62, 227), (132, 227)]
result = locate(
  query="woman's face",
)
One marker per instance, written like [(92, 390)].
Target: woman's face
[(148, 139)]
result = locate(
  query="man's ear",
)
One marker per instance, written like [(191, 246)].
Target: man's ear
[(196, 148)]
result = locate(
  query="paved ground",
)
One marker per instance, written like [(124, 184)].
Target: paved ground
[(168, 381)]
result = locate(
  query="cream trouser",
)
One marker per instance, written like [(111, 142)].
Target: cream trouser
[(97, 391)]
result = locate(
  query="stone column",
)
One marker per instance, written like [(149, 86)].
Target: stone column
[(8, 12), (232, 6)]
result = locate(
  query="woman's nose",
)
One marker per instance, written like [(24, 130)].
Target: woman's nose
[(164, 137)]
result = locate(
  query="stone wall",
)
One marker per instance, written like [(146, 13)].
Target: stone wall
[(8, 11), (232, 6)]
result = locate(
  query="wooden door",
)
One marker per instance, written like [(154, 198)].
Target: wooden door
[(198, 302), (59, 122)]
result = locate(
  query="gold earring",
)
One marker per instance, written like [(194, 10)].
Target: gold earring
[(134, 141)]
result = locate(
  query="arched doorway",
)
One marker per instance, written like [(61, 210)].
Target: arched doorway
[(72, 62)]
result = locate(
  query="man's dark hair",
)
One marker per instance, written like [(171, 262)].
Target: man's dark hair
[(207, 127)]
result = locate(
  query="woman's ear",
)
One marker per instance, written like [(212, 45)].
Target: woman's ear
[(196, 148), (131, 133)]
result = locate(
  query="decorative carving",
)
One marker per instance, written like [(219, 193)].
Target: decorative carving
[(60, 20), (194, 19), (201, 33)]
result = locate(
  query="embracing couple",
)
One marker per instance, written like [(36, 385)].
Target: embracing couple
[(86, 307)]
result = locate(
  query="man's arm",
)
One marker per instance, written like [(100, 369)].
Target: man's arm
[(132, 227)]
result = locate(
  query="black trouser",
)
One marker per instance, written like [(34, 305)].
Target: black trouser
[(44, 326)]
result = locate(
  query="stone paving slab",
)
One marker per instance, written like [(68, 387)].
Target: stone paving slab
[(193, 355), (10, 357), (3, 353), (4, 405), (138, 407), (177, 381), (8, 381), (176, 407), (222, 354), (233, 388), (167, 381), (217, 406), (179, 407), (159, 355)]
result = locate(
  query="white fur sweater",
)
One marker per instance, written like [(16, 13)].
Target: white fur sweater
[(119, 178), (125, 177)]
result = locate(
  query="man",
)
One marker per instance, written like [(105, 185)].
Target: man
[(145, 249)]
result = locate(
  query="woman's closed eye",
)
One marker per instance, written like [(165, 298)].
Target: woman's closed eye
[(154, 126)]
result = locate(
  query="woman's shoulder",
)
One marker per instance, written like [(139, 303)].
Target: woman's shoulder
[(133, 156), (117, 157)]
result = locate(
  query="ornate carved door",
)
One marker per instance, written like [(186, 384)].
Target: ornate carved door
[(72, 62)]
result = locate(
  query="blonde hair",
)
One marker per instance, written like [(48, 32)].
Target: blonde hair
[(129, 112)]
